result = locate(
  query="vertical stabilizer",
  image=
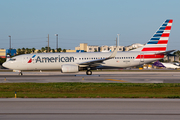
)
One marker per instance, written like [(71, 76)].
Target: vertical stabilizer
[(158, 64), (158, 42)]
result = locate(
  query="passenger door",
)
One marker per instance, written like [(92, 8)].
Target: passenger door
[(141, 58)]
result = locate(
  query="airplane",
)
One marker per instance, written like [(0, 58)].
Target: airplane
[(167, 65), (153, 50)]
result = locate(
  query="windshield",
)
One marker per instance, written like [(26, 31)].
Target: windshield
[(12, 59)]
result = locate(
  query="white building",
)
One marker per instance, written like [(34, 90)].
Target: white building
[(133, 46), (93, 48), (114, 47)]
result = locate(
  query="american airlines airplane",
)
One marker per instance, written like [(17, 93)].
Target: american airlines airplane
[(153, 50)]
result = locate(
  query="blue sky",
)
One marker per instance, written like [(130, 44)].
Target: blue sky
[(95, 22)]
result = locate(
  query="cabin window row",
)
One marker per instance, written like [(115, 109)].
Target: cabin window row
[(123, 58), (104, 58)]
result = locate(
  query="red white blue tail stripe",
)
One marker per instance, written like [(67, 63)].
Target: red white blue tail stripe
[(158, 42), (155, 47), (160, 39)]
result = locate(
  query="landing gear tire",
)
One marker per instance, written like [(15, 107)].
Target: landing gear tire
[(20, 73), (88, 72)]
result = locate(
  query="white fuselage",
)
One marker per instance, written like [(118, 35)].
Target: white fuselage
[(54, 61)]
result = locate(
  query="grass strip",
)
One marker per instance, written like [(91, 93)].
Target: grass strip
[(90, 90)]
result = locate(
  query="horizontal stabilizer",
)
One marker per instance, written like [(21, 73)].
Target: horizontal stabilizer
[(166, 52)]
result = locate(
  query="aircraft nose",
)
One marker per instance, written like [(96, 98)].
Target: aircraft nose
[(5, 64)]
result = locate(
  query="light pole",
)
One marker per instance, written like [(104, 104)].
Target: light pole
[(118, 39), (56, 42), (10, 45), (48, 44)]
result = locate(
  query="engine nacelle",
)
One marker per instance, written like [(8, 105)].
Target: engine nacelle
[(67, 68)]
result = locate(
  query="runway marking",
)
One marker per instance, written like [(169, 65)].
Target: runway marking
[(116, 80)]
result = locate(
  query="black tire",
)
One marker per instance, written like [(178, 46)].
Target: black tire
[(88, 72), (20, 73)]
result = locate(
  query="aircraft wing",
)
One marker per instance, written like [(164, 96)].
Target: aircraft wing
[(99, 61)]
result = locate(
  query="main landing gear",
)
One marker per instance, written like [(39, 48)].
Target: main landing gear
[(88, 72), (20, 73)]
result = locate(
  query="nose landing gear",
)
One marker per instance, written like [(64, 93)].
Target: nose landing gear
[(88, 72), (20, 73)]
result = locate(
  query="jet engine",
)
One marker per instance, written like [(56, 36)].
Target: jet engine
[(68, 68)]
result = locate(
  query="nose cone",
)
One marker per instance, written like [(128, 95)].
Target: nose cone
[(5, 64)]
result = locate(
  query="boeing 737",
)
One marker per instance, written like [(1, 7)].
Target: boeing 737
[(153, 50)]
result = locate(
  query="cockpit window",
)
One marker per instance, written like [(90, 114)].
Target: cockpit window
[(12, 59)]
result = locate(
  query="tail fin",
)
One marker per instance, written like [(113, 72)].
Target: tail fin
[(158, 64), (159, 40)]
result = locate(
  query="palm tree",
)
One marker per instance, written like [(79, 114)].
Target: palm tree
[(43, 49), (64, 50), (39, 51), (23, 50), (53, 50), (33, 49), (28, 50), (19, 51), (59, 50), (46, 48)]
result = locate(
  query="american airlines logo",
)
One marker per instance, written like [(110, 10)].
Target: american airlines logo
[(54, 59), (31, 58)]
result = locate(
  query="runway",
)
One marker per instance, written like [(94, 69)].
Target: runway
[(88, 109), (97, 77)]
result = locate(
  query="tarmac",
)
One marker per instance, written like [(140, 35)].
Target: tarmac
[(97, 77), (88, 109)]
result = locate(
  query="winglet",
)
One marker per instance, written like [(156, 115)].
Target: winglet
[(114, 53)]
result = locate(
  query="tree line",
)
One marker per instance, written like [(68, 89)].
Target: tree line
[(42, 50), (32, 50)]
